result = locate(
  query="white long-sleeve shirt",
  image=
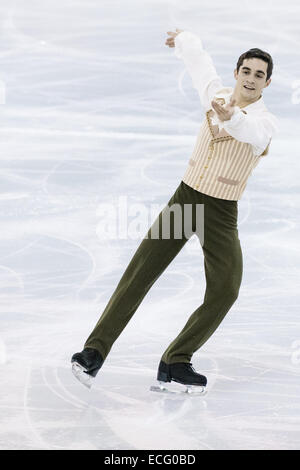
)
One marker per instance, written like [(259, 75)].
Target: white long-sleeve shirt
[(256, 128)]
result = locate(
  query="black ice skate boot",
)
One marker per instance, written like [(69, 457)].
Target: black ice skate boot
[(183, 374), (86, 364)]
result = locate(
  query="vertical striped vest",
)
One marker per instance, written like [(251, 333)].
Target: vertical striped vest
[(220, 165)]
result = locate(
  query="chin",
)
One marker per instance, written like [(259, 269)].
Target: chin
[(247, 96)]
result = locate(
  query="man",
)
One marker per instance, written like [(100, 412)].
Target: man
[(234, 136)]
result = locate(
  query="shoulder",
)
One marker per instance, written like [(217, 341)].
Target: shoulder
[(260, 111), (267, 115)]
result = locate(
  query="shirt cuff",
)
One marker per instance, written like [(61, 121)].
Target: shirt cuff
[(235, 119), (187, 42)]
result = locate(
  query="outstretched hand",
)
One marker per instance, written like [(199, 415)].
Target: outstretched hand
[(224, 113), (170, 41)]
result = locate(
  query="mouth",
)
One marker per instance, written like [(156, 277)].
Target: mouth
[(249, 88)]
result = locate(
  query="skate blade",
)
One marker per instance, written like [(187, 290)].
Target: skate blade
[(81, 375), (175, 388)]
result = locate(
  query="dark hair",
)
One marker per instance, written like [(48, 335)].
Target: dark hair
[(259, 54)]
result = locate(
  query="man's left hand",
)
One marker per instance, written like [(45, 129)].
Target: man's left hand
[(224, 113)]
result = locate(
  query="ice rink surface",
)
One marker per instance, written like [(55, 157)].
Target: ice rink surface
[(97, 108)]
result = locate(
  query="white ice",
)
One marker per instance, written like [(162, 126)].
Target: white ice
[(97, 107)]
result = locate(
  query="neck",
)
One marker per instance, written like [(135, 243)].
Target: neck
[(242, 102)]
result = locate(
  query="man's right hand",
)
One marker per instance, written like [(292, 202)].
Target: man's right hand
[(170, 41)]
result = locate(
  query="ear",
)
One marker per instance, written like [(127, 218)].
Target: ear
[(268, 82), (235, 74)]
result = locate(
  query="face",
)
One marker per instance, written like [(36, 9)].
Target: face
[(251, 79)]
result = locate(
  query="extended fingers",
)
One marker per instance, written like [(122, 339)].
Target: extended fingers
[(171, 40), (218, 108), (171, 33)]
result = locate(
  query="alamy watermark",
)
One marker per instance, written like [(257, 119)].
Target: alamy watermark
[(138, 221)]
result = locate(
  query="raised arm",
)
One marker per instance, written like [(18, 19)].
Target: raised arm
[(188, 47)]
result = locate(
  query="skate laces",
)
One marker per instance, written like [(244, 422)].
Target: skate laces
[(191, 367)]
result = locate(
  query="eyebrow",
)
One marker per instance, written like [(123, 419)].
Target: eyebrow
[(248, 68)]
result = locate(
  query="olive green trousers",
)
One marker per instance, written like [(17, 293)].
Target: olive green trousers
[(218, 235)]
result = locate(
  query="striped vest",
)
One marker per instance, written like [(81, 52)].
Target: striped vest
[(220, 165)]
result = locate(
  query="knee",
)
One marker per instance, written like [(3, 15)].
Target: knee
[(231, 292), (227, 292), (224, 295)]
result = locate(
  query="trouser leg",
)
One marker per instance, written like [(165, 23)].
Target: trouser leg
[(223, 271), (148, 263)]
